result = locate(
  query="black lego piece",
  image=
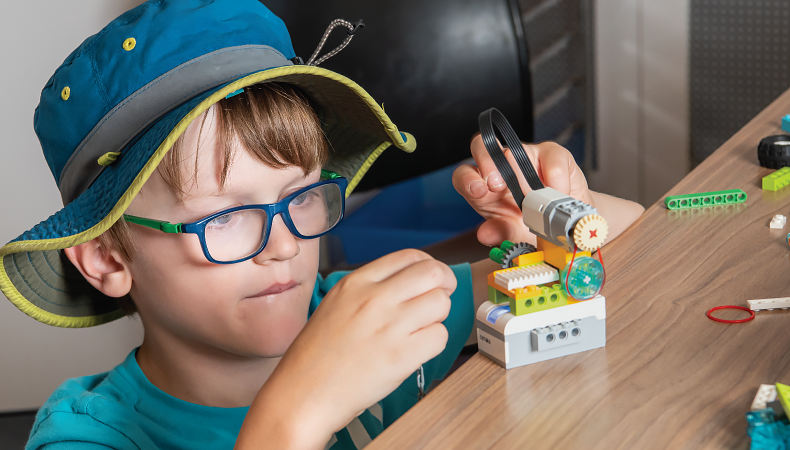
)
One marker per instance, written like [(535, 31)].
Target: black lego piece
[(774, 151)]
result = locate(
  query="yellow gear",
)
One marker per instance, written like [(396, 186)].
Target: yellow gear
[(590, 232)]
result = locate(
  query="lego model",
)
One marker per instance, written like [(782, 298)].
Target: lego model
[(545, 302), (777, 180), (778, 222), (706, 199)]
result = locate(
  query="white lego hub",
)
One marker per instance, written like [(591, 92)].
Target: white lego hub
[(514, 341)]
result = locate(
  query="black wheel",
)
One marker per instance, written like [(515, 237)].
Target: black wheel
[(774, 151)]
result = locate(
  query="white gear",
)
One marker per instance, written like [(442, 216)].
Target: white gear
[(590, 232)]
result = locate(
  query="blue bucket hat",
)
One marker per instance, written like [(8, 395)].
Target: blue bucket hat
[(116, 105)]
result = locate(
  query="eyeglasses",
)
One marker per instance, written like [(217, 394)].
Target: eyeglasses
[(238, 234)]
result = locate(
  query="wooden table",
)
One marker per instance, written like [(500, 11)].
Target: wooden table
[(668, 378)]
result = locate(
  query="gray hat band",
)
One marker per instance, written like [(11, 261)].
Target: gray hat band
[(146, 105)]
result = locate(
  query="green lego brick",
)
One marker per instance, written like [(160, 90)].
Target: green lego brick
[(783, 392), (548, 298), (497, 297), (705, 199), (777, 180)]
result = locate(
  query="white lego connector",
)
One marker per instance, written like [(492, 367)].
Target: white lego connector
[(765, 395), (769, 304), (779, 221), (519, 277)]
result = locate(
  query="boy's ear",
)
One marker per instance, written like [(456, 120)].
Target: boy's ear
[(104, 269)]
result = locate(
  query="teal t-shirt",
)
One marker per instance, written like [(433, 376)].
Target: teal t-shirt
[(121, 409)]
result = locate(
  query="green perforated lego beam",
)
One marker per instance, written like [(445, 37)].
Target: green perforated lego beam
[(497, 297), (777, 180), (548, 298), (705, 199)]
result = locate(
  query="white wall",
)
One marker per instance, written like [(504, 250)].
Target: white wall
[(642, 97), (37, 36)]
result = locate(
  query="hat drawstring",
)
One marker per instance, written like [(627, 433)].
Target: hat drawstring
[(352, 28)]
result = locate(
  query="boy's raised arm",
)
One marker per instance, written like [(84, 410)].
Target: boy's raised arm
[(373, 329)]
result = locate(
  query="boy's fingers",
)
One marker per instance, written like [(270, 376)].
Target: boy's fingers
[(486, 166), (427, 343), (419, 278), (493, 231), (555, 165), (388, 265), (424, 310), (489, 171), (468, 182)]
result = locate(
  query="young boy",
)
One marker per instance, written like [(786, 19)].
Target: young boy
[(189, 150)]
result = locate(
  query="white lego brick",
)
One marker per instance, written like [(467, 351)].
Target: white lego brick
[(508, 324), (769, 304), (765, 394), (779, 221), (519, 277)]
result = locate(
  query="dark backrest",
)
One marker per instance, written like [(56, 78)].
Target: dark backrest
[(434, 64)]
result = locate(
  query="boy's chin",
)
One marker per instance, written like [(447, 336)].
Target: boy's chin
[(275, 344)]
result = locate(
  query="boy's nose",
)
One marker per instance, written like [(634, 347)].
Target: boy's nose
[(282, 244)]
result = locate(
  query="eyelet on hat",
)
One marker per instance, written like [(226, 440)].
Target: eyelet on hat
[(129, 44), (108, 158), (65, 93)]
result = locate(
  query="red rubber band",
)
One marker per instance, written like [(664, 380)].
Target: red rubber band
[(742, 308)]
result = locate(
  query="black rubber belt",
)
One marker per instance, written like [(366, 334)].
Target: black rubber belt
[(491, 118)]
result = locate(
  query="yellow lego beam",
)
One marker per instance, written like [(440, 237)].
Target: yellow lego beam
[(557, 256)]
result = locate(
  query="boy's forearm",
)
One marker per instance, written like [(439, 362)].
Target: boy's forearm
[(619, 213), (274, 421)]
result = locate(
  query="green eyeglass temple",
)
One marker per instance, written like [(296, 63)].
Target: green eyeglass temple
[(168, 227)]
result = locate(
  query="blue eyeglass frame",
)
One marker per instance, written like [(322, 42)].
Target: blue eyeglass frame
[(272, 210)]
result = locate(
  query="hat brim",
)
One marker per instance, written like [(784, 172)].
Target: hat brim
[(34, 274)]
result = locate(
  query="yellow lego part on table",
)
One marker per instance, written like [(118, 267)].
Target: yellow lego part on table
[(777, 180), (557, 256), (539, 300), (783, 392), (529, 258)]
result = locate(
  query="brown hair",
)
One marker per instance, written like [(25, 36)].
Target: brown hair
[(273, 122)]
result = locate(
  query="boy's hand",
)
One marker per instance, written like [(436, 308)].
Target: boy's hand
[(372, 330), (485, 189)]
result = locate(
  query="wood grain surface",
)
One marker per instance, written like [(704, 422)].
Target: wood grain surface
[(668, 378)]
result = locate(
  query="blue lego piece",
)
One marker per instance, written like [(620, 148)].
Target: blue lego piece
[(786, 123), (766, 432)]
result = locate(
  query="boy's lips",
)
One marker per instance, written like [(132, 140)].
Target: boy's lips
[(276, 288)]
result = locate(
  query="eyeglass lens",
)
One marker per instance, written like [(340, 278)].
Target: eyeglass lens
[(239, 234)]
